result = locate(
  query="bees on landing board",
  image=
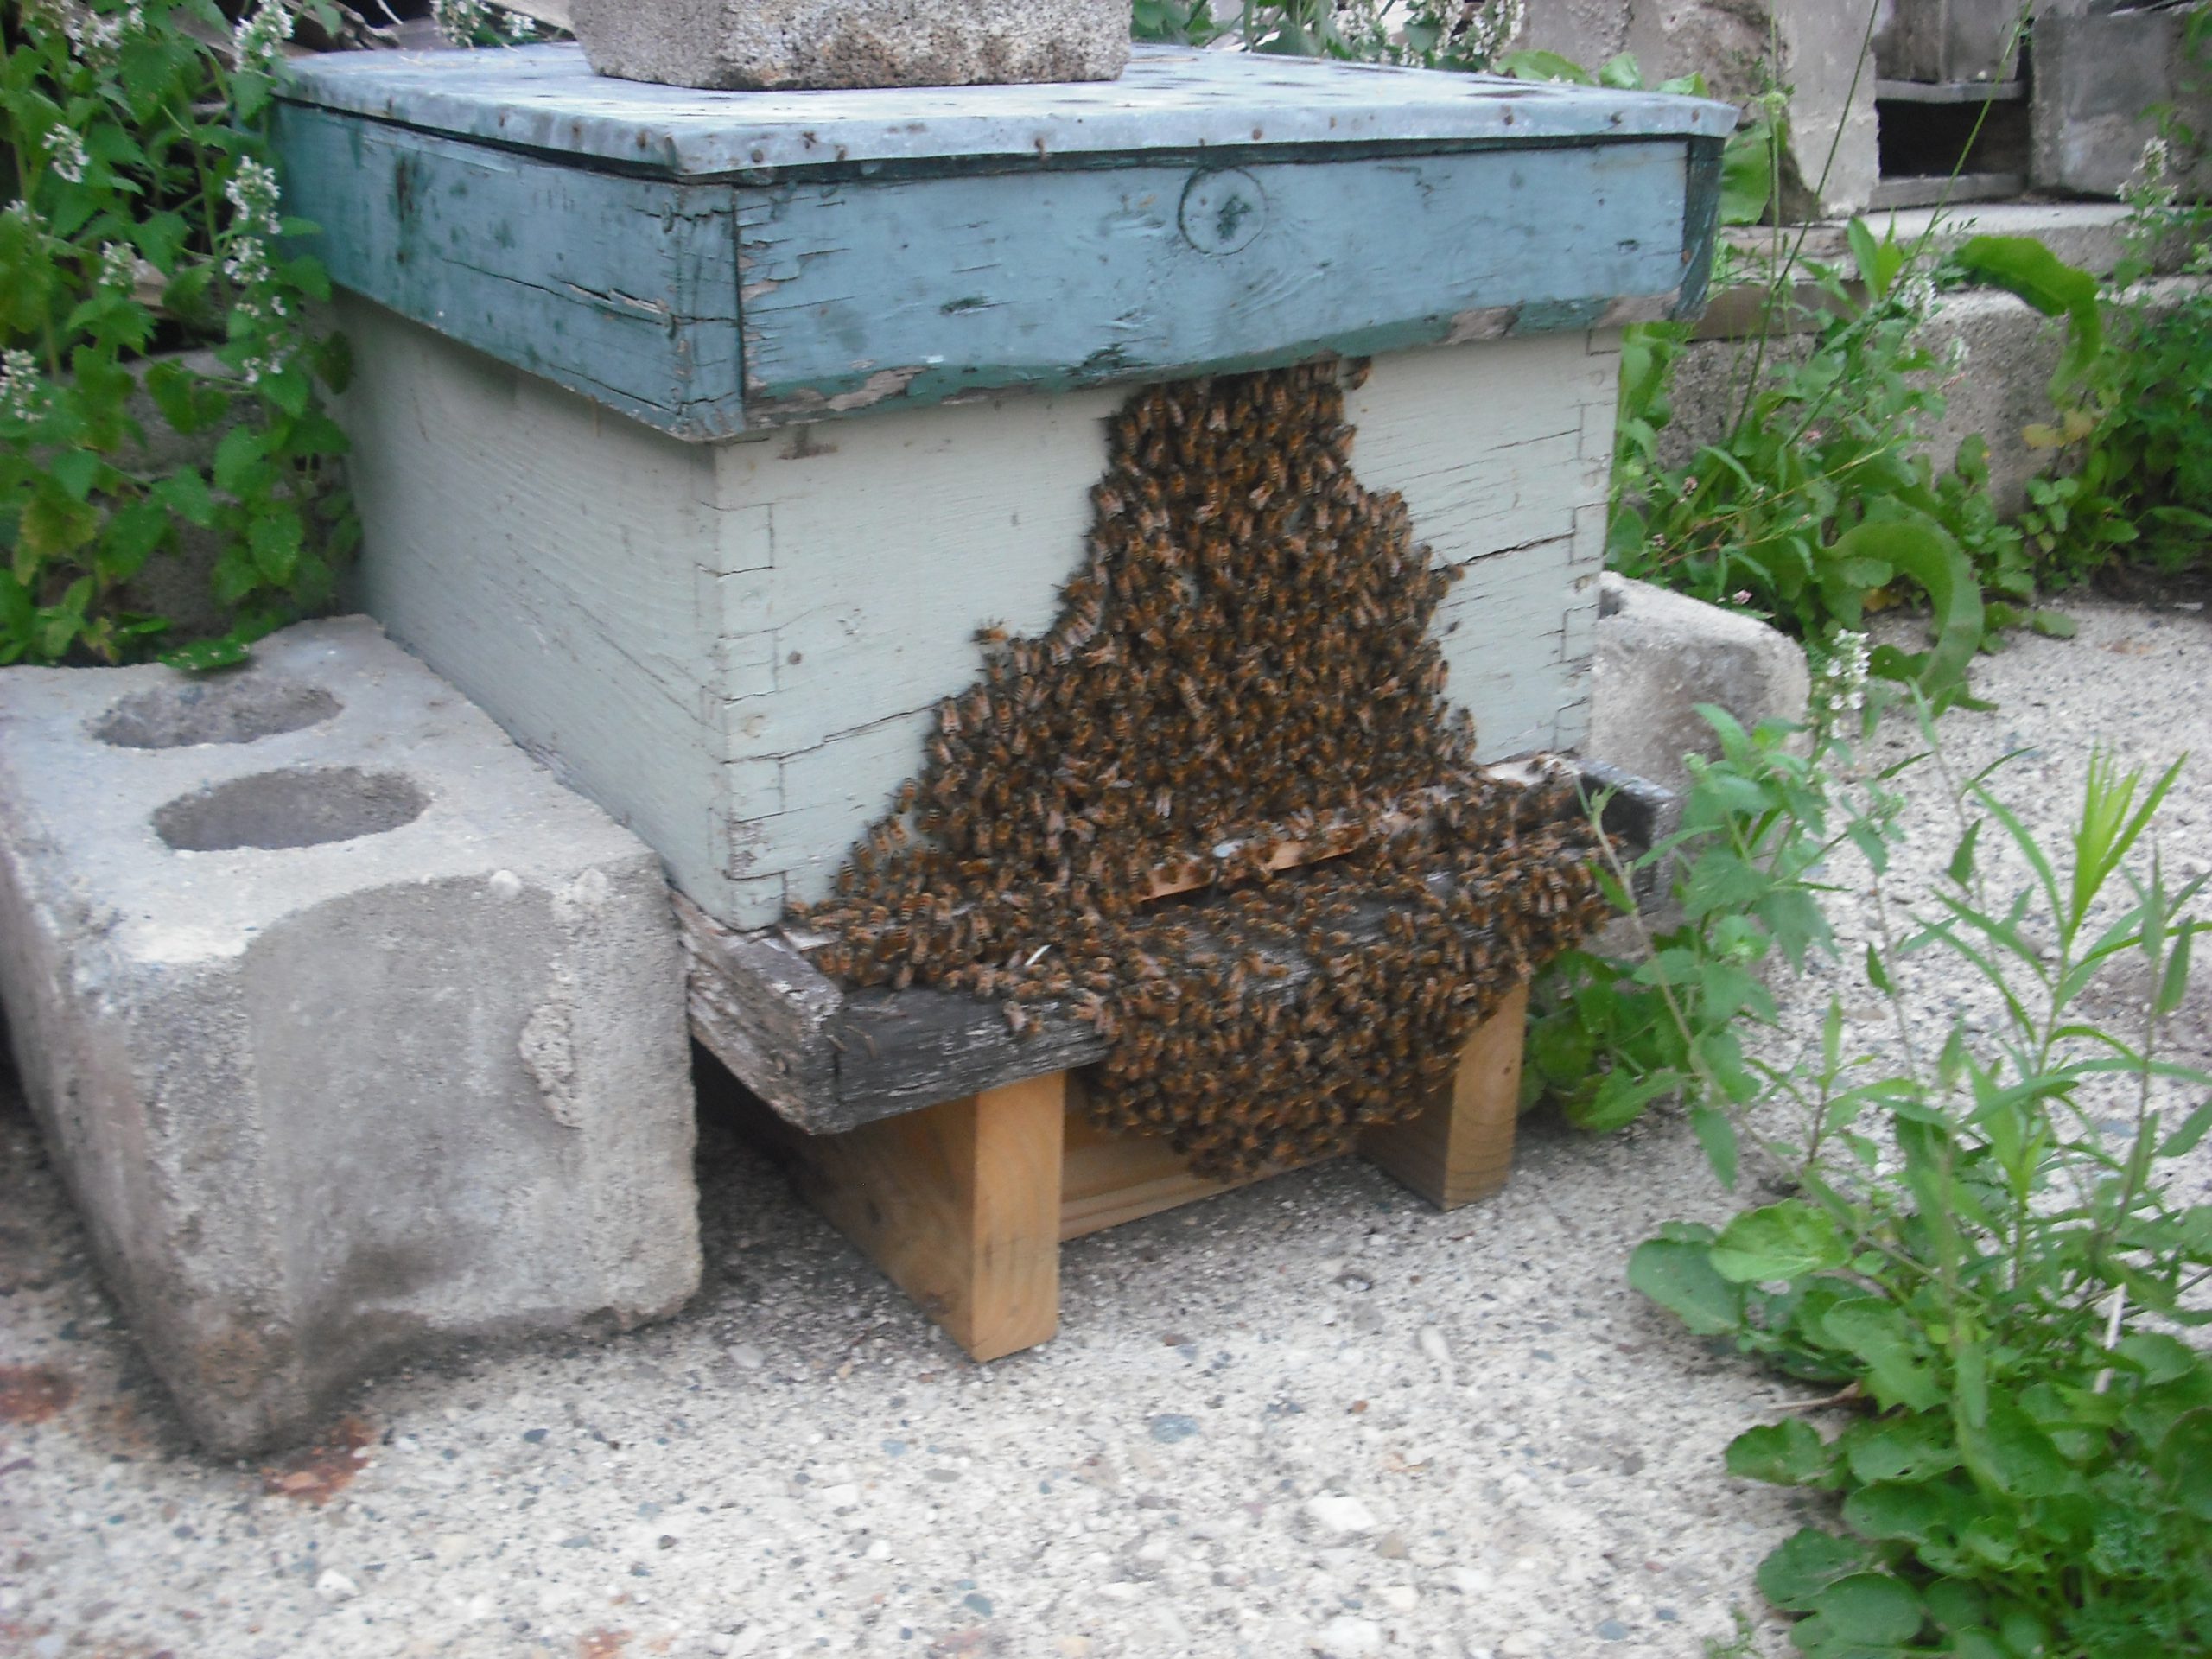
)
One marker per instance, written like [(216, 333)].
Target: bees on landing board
[(1244, 661)]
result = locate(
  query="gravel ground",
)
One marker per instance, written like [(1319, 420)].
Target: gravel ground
[(1312, 1415)]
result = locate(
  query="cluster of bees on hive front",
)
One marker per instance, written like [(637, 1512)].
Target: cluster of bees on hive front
[(1243, 663)]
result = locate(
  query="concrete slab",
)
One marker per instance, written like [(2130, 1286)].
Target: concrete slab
[(2100, 79), (1660, 655), (812, 43), (351, 1030), (1815, 48)]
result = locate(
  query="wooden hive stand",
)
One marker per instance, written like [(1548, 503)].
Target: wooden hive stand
[(959, 1159), (965, 1205)]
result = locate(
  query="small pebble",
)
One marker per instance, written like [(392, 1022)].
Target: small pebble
[(1346, 1637), (1337, 1513)]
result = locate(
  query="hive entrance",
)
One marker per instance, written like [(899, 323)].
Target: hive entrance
[(1241, 677)]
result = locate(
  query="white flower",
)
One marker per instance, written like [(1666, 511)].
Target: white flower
[(1493, 25), (1842, 686), (521, 28), (459, 20), (260, 35), (91, 34), (1955, 355), (248, 264), (2157, 159), (20, 387), (1916, 295), (119, 266), (252, 190), (67, 151)]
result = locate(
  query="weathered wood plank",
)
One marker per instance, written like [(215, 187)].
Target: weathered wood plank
[(762, 1009), (622, 289), (1079, 278), (1459, 1147), (546, 97), (960, 1206), (1107, 1179)]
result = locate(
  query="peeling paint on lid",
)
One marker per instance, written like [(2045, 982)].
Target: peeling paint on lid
[(545, 98)]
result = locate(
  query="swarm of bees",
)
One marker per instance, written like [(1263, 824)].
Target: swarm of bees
[(1243, 662)]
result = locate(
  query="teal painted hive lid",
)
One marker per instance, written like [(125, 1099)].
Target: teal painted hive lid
[(1170, 99), (714, 263)]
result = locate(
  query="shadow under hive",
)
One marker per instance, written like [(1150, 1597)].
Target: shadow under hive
[(1240, 676)]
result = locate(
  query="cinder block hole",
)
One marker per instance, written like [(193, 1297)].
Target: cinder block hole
[(290, 809), (241, 708)]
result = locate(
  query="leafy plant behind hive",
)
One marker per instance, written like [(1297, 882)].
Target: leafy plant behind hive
[(1243, 660)]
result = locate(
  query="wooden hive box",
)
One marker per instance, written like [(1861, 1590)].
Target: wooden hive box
[(697, 433)]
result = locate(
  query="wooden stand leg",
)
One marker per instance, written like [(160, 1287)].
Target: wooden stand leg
[(1459, 1146), (960, 1206)]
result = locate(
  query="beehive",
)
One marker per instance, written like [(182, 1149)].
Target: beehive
[(695, 433)]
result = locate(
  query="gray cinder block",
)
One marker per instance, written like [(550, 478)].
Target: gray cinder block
[(351, 1030), (1659, 656), (2101, 77), (802, 43)]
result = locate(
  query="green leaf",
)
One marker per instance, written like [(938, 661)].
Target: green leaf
[(1960, 869), (1878, 975), (1916, 1512), (1877, 1334), (2023, 265), (2053, 625), (206, 655), (237, 458), (1870, 1608), (2173, 986), (188, 402), (53, 527), (2185, 1139), (1909, 1448), (1544, 66), (1619, 1101), (1716, 1132), (1720, 881), (76, 471), (2016, 1454), (134, 530), (1562, 1047), (1782, 1240), (1677, 1272), (1787, 1453), (184, 493), (273, 540), (1804, 1564), (1747, 173), (1622, 73), (2157, 1357), (2183, 1462), (1924, 550), (159, 236), (289, 389)]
